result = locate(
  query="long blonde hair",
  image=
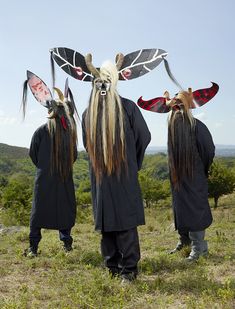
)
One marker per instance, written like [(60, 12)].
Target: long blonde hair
[(105, 125), (181, 139), (63, 133)]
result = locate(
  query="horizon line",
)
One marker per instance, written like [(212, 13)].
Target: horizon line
[(150, 146)]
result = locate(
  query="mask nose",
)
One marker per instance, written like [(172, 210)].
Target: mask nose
[(103, 87)]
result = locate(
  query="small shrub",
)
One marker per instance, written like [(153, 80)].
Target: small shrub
[(16, 201)]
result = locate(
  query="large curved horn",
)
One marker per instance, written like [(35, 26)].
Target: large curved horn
[(60, 94), (72, 62), (119, 60), (202, 96), (38, 88), (140, 62), (90, 66), (157, 105)]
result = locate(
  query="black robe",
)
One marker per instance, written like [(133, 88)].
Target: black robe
[(190, 204), (117, 203), (54, 204)]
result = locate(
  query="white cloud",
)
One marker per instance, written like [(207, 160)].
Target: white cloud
[(5, 121), (1, 112)]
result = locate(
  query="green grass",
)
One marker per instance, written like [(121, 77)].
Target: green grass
[(79, 280)]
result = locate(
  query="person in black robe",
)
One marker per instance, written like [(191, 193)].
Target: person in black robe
[(190, 153), (115, 136), (53, 151), (192, 211)]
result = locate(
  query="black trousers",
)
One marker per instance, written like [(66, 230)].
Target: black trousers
[(184, 237), (121, 251), (35, 236)]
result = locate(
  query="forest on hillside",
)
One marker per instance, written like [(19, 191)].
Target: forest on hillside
[(17, 178)]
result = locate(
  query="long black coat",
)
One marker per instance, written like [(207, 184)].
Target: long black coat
[(190, 204), (117, 203), (54, 204)]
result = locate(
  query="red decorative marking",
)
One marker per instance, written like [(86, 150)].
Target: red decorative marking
[(127, 73), (202, 96), (79, 71), (63, 122), (36, 86), (157, 105)]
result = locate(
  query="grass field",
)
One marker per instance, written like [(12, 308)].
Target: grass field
[(78, 279)]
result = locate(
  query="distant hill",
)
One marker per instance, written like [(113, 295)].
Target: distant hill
[(225, 150), (220, 150), (156, 149), (13, 152)]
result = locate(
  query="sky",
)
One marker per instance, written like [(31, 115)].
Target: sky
[(199, 37)]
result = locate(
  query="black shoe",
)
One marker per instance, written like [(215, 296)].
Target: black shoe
[(68, 245), (179, 247), (31, 252), (128, 277), (114, 272)]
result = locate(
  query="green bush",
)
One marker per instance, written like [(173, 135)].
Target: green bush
[(83, 193), (83, 200), (156, 166), (221, 181), (153, 190), (16, 201)]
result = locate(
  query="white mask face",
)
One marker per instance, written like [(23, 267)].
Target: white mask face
[(103, 86)]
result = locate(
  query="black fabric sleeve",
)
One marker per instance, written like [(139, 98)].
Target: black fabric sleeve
[(34, 146), (205, 145), (141, 134), (75, 154)]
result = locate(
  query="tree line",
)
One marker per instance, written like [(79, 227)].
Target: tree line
[(17, 178)]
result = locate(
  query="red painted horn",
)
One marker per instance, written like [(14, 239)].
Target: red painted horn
[(157, 105), (202, 96)]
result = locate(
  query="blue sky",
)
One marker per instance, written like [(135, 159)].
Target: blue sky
[(198, 36)]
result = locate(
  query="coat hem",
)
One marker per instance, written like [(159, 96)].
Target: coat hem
[(113, 229)]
